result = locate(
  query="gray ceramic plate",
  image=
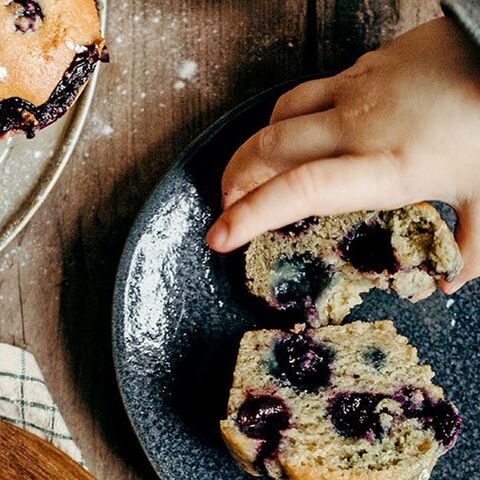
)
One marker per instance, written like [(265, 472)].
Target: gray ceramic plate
[(29, 169), (180, 311)]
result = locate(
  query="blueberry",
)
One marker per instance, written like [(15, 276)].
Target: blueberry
[(354, 415), (369, 249), (298, 228), (445, 422), (440, 415), (297, 281), (375, 357), (28, 16), (302, 362), (17, 114), (263, 417)]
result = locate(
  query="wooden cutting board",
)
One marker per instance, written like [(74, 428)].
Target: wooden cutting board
[(23, 456)]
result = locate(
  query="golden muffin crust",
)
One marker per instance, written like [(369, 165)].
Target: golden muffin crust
[(32, 63)]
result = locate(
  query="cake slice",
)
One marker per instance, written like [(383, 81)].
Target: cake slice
[(341, 402), (321, 266)]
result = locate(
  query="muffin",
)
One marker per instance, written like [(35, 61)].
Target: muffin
[(321, 266), (48, 52), (340, 402)]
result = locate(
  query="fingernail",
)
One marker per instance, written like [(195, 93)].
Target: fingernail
[(217, 235)]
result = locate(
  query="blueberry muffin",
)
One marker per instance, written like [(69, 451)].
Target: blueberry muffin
[(344, 402), (321, 266), (48, 51)]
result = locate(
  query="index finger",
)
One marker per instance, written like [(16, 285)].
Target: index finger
[(323, 187)]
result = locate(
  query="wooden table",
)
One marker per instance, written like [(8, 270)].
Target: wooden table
[(56, 279)]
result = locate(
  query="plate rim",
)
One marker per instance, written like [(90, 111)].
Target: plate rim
[(46, 184), (121, 278)]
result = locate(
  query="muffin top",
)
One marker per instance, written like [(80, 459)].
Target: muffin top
[(40, 40)]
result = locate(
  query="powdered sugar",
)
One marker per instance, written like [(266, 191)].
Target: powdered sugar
[(75, 47), (3, 74)]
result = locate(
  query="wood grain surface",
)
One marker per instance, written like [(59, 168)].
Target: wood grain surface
[(56, 279), (27, 457)]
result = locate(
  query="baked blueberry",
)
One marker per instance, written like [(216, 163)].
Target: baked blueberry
[(354, 415), (305, 364), (16, 115), (263, 416), (445, 422), (440, 415), (28, 15), (369, 249), (297, 281), (375, 357)]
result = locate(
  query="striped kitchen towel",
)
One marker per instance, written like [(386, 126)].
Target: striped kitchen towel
[(26, 402)]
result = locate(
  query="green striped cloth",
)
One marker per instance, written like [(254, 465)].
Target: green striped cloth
[(26, 402)]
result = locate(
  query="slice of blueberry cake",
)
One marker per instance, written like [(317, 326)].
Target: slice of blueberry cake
[(48, 51), (321, 266), (340, 402)]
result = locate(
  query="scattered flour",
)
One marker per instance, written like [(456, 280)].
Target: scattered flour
[(101, 128), (179, 85), (187, 70), (106, 130), (450, 302)]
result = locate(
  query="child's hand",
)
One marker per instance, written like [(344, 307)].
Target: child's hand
[(400, 126)]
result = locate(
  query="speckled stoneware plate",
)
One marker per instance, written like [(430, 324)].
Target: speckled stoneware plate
[(180, 311), (29, 169)]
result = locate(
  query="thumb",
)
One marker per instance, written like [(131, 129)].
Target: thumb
[(468, 238)]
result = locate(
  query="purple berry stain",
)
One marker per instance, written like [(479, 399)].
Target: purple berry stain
[(298, 280), (263, 417), (369, 249), (303, 363)]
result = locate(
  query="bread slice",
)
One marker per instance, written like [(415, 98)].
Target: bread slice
[(344, 402), (321, 265)]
